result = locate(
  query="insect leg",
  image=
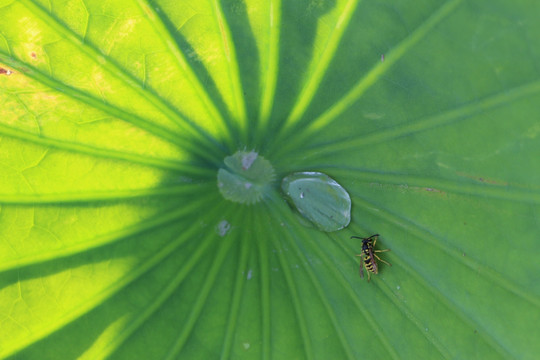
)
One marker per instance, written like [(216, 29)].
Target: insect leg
[(381, 260)]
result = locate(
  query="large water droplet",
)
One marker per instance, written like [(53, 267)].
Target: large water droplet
[(320, 199)]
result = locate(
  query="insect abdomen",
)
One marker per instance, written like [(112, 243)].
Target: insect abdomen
[(369, 261), (369, 265)]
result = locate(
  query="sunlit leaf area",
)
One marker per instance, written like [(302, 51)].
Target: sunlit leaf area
[(181, 179)]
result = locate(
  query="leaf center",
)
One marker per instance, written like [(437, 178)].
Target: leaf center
[(247, 176)]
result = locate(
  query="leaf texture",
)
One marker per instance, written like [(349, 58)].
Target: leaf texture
[(116, 116)]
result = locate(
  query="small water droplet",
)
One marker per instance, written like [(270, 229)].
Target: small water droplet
[(223, 228)]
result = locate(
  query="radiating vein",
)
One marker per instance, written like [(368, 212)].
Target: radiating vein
[(229, 52), (441, 299), (408, 315), (265, 289), (176, 138), (200, 302), (358, 90), (172, 286), (443, 351), (238, 288), (96, 300), (424, 235), (183, 65), (319, 289), (382, 67), (271, 72), (97, 195), (90, 100), (118, 72), (167, 164), (375, 328), (504, 192), (158, 220), (410, 127), (295, 298), (345, 285), (315, 78)]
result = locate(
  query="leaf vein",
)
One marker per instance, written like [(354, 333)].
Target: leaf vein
[(183, 65), (110, 65), (486, 272)]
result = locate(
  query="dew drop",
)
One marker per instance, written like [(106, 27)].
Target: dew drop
[(328, 205), (223, 228)]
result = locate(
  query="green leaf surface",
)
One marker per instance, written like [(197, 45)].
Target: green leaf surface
[(116, 116)]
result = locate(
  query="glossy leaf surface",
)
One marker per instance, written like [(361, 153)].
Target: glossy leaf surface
[(116, 116)]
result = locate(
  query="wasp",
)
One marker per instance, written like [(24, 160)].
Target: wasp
[(368, 255)]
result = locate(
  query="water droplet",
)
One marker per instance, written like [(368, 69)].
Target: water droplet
[(223, 228), (328, 205)]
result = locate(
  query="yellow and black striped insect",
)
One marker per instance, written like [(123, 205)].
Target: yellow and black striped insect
[(368, 255)]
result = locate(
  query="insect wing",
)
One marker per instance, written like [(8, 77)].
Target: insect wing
[(361, 266), (373, 261)]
